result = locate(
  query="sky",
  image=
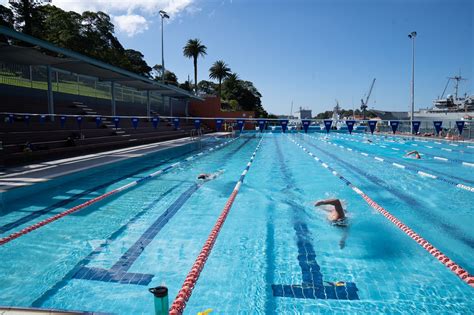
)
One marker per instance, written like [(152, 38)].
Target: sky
[(309, 52)]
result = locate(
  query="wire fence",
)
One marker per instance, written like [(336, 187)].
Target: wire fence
[(35, 77)]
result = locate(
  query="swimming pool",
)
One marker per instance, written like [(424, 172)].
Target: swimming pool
[(276, 253)]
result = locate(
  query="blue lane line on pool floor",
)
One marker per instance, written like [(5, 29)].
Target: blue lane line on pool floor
[(312, 286), (83, 262), (119, 271)]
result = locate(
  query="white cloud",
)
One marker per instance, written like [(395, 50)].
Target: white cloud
[(130, 16), (130, 24)]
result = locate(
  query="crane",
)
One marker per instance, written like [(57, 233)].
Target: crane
[(363, 105)]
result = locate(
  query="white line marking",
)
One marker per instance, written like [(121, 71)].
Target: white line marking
[(398, 165), (468, 164), (378, 159), (426, 174), (440, 158)]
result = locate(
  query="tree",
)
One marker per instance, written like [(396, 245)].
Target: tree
[(136, 62), (193, 49), (6, 19), (170, 77), (186, 86), (207, 87), (28, 19), (219, 70), (363, 108)]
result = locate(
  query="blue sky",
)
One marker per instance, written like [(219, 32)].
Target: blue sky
[(309, 52)]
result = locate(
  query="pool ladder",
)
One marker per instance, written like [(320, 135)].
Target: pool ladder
[(196, 134)]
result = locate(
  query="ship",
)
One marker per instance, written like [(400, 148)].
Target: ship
[(450, 108)]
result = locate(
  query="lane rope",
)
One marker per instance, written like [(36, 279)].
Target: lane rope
[(439, 158), (442, 258), (191, 279), (92, 201), (398, 165)]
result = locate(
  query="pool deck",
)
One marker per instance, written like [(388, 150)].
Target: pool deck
[(27, 175)]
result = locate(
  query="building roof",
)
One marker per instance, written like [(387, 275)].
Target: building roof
[(80, 64)]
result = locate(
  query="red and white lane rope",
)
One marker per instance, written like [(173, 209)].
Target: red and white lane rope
[(58, 216), (442, 258), (191, 279)]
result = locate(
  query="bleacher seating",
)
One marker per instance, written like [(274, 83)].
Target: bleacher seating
[(49, 139)]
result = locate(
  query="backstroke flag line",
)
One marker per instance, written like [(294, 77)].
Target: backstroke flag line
[(176, 123), (327, 125), (350, 125), (394, 124), (155, 121), (306, 125), (437, 125), (284, 125), (197, 123), (416, 126), (261, 125), (372, 125), (218, 124), (460, 125)]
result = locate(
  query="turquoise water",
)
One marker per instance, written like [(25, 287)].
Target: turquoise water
[(273, 237)]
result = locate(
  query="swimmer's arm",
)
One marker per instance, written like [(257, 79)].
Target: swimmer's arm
[(332, 202)]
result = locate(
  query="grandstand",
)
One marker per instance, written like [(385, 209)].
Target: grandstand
[(54, 107)]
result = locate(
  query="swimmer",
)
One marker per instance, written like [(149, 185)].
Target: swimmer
[(414, 153), (209, 176), (337, 215)]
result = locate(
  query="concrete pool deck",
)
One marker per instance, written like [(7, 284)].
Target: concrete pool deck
[(16, 177)]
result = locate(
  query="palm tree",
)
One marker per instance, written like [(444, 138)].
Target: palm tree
[(193, 49), (219, 70)]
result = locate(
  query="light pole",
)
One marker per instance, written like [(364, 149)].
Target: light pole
[(412, 36), (163, 15)]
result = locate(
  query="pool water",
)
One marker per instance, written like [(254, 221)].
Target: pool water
[(276, 253)]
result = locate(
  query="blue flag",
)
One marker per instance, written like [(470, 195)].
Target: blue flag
[(261, 125), (98, 121), (350, 125), (437, 124), (116, 122), (284, 125), (27, 120), (135, 122), (394, 124), (79, 121), (155, 121), (62, 121), (197, 123), (416, 126), (219, 124), (372, 125), (176, 123), (11, 118), (42, 119), (240, 124), (306, 124), (327, 125), (460, 125)]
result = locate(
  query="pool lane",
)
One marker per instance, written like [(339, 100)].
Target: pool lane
[(458, 147), (455, 181), (442, 258), (313, 286), (391, 147)]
